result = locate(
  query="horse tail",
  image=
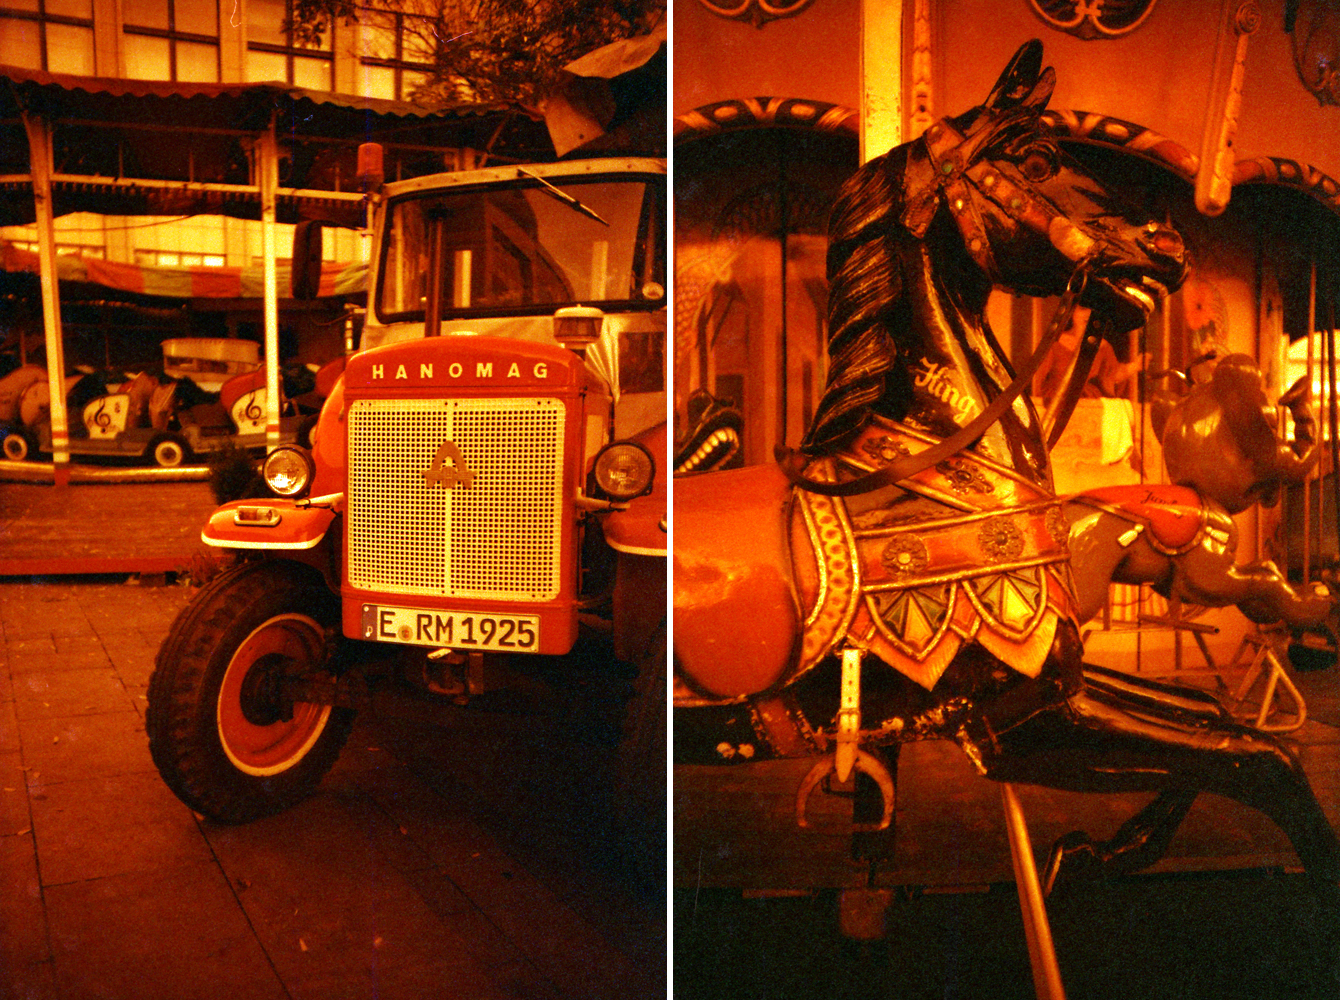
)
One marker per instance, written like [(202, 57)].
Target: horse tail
[(865, 286)]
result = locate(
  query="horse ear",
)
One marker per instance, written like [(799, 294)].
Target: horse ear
[(1020, 83)]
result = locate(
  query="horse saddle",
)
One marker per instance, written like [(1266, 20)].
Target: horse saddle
[(964, 551), (770, 579), (1172, 519)]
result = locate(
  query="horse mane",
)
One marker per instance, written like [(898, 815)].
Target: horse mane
[(887, 209), (865, 288)]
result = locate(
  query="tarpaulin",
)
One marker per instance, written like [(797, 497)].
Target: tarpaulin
[(182, 282)]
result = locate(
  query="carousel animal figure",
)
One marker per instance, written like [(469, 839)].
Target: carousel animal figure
[(905, 575), (1222, 456), (712, 437)]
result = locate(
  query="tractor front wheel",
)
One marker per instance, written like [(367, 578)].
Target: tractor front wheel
[(223, 732)]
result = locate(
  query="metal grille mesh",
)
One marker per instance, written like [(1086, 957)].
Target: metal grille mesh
[(498, 538)]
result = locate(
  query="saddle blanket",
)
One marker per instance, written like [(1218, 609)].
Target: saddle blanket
[(964, 551)]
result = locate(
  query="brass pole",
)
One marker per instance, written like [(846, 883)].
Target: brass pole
[(1037, 929), (268, 169)]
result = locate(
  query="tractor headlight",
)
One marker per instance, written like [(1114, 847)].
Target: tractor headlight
[(288, 471), (624, 470)]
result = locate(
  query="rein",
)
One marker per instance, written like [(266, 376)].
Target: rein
[(793, 461)]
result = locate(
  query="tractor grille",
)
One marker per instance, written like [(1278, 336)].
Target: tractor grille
[(497, 538)]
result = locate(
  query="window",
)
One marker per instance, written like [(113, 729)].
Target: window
[(273, 53), (172, 40), (522, 251), (54, 35), (65, 249), (172, 258), (395, 53)]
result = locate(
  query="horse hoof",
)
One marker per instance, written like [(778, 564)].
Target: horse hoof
[(1074, 858)]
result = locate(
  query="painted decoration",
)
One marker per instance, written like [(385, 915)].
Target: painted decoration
[(1093, 19), (757, 12)]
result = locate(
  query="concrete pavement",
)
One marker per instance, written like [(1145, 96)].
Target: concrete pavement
[(408, 874)]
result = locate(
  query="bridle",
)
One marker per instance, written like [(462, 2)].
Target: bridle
[(793, 461), (951, 164)]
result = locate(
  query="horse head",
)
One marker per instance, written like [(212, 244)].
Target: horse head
[(992, 199), (1219, 436)]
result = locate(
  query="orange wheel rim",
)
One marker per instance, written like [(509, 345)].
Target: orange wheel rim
[(275, 747)]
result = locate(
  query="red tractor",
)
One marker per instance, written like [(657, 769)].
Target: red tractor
[(466, 507)]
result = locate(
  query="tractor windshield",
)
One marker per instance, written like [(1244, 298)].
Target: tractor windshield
[(525, 248)]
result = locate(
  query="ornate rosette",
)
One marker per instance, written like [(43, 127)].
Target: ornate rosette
[(1000, 540), (905, 555), (964, 477), (885, 450)]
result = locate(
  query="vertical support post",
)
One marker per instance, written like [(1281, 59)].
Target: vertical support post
[(268, 181), (1308, 476), (39, 155), (881, 77), (921, 114), (1037, 929)]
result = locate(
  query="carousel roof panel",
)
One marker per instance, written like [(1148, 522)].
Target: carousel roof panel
[(1114, 133)]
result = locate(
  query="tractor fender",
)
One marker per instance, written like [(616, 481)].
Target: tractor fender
[(641, 528), (270, 524)]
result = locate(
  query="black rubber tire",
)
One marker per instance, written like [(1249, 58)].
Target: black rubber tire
[(640, 771), (184, 714), (18, 446), (167, 451)]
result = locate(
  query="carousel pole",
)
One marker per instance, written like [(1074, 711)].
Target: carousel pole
[(39, 154), (881, 77), (1307, 477), (1332, 411), (1037, 930)]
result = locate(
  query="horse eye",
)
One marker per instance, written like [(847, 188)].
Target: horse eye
[(1038, 164)]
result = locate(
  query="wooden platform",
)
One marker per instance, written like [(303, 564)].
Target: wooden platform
[(86, 528), (735, 826)]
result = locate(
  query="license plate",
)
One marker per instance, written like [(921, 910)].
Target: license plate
[(457, 629)]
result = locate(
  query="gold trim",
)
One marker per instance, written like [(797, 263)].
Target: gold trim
[(945, 522), (840, 508), (821, 641), (999, 627), (968, 574), (821, 595), (902, 646)]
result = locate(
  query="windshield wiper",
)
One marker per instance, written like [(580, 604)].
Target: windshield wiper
[(562, 196)]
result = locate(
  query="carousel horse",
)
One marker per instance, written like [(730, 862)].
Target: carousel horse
[(905, 575), (1222, 456)]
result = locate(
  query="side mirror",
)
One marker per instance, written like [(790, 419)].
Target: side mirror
[(305, 279)]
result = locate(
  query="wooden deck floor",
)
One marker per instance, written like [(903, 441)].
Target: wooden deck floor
[(735, 827), (84, 528)]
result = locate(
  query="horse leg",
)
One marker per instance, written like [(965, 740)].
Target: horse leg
[(1107, 735), (1101, 741), (1140, 842), (1145, 837), (1259, 590)]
